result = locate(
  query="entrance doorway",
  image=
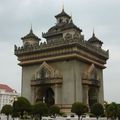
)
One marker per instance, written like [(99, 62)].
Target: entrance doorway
[(92, 96), (49, 97)]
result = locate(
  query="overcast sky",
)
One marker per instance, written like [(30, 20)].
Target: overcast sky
[(16, 17)]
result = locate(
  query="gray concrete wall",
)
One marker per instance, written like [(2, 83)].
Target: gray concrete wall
[(72, 84), (101, 89), (71, 89), (66, 68), (27, 73)]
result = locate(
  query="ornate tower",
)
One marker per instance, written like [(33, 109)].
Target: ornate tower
[(64, 69)]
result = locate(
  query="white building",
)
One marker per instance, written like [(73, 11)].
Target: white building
[(7, 95)]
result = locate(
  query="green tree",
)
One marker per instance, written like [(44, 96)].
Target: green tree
[(97, 109), (21, 107), (112, 111), (32, 111), (39, 110), (14, 112), (118, 111), (54, 110), (7, 110), (107, 113), (79, 109)]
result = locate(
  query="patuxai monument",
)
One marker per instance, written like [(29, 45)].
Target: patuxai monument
[(65, 68)]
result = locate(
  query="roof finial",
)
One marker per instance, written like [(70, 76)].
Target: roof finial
[(31, 31), (93, 33), (63, 7)]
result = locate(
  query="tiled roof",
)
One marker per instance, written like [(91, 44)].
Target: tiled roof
[(30, 35), (94, 39), (6, 88), (63, 27)]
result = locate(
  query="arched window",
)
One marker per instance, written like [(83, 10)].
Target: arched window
[(44, 73), (67, 20), (94, 75), (60, 20)]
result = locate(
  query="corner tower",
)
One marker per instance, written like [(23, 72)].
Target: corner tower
[(64, 69)]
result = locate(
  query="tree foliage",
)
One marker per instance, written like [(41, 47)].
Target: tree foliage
[(21, 106), (39, 110), (112, 110), (79, 109), (7, 110), (97, 109), (118, 111), (54, 110)]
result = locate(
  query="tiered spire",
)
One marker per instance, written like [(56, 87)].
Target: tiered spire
[(31, 31), (30, 35), (95, 41), (93, 33), (62, 14)]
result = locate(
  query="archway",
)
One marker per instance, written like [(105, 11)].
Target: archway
[(49, 97), (39, 95), (92, 96)]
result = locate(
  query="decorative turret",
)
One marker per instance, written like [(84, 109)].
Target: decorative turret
[(95, 41), (30, 39), (62, 17), (64, 29)]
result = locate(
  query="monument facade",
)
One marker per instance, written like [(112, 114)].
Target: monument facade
[(64, 69)]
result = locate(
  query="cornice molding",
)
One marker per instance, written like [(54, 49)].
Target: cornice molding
[(61, 57)]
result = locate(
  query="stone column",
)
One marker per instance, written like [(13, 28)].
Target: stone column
[(56, 94), (85, 94)]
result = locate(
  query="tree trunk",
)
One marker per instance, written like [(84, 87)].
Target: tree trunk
[(81, 117), (97, 117), (40, 117), (7, 117)]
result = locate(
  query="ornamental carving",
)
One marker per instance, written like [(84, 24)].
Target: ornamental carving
[(26, 44), (76, 36), (68, 36), (91, 73), (46, 71)]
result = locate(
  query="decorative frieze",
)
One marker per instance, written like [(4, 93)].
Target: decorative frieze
[(60, 48)]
